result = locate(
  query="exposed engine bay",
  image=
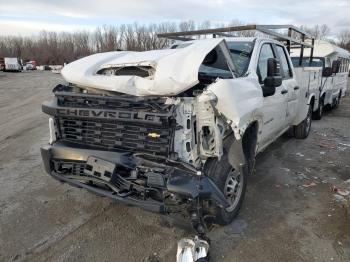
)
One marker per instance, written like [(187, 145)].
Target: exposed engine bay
[(147, 149)]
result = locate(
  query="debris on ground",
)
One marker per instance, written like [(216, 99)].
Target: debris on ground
[(299, 154), (322, 153), (301, 175), (340, 191), (285, 169), (343, 144), (339, 198), (326, 144), (191, 250), (343, 192), (311, 184)]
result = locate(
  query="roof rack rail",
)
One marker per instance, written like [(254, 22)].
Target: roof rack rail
[(266, 29)]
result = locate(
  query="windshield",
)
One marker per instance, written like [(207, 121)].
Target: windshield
[(316, 62), (241, 53)]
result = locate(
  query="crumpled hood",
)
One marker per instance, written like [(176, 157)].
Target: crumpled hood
[(176, 70)]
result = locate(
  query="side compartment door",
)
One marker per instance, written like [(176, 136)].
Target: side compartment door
[(275, 106), (289, 83)]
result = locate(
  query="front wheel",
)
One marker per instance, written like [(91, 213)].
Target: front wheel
[(302, 130), (232, 183)]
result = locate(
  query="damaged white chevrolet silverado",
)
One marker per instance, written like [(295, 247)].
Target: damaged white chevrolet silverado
[(177, 130)]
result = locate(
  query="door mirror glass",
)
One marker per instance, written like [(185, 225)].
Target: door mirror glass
[(327, 72), (274, 77)]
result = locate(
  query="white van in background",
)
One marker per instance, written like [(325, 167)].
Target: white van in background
[(329, 57), (12, 64)]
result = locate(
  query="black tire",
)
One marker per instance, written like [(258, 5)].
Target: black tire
[(336, 105), (317, 115), (302, 130), (221, 173)]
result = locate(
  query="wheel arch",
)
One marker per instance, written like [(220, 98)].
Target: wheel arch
[(312, 100), (242, 150)]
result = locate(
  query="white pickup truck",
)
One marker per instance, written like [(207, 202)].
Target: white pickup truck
[(176, 130)]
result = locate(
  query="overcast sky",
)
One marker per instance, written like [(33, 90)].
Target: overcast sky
[(28, 17)]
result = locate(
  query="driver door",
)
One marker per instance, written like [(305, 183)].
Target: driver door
[(274, 106)]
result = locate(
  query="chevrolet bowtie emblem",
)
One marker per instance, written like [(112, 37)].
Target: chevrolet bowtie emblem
[(154, 135)]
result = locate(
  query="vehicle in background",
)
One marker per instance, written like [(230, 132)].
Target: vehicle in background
[(2, 64), (12, 64), (56, 69), (31, 65), (334, 63)]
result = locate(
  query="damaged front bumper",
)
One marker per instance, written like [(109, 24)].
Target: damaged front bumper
[(155, 184)]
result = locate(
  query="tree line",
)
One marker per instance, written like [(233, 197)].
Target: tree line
[(49, 48)]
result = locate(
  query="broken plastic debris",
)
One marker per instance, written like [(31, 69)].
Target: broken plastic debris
[(342, 148), (191, 250), (285, 169), (343, 192), (322, 153), (311, 184), (299, 154)]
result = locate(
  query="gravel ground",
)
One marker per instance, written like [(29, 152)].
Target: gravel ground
[(290, 212)]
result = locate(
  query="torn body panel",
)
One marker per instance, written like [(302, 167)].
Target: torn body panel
[(240, 101)]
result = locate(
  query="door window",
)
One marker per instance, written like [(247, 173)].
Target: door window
[(266, 52), (287, 73)]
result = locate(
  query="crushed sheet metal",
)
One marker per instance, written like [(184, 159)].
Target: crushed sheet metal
[(176, 69), (239, 100)]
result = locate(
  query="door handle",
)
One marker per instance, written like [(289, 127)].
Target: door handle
[(284, 91), (296, 88)]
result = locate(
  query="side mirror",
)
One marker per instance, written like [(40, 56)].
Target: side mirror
[(335, 66), (274, 77), (327, 72)]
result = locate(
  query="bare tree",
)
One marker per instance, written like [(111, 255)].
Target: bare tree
[(57, 48), (319, 32), (344, 39)]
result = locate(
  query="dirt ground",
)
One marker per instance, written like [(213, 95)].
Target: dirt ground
[(290, 212)]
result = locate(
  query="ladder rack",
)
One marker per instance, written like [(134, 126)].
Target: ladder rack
[(305, 40)]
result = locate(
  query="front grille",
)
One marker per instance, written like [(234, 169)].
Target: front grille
[(109, 102), (116, 135)]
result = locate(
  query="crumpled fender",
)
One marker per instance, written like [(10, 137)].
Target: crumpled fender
[(240, 100)]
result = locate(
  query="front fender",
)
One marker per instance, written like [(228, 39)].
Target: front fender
[(240, 101)]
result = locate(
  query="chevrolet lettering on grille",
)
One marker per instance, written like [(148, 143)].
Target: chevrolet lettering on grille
[(105, 114)]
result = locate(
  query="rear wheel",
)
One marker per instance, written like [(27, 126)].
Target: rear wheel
[(302, 130), (336, 105), (319, 112), (232, 183)]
